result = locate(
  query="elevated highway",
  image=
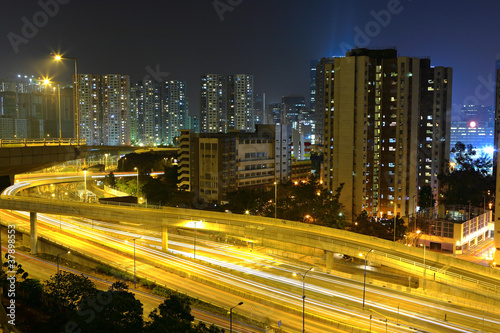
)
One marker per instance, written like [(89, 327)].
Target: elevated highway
[(282, 235)]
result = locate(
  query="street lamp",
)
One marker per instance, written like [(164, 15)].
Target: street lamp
[(231, 316), (135, 279), (57, 257), (303, 297), (395, 218), (106, 162), (194, 244), (77, 111), (275, 198), (364, 280), (137, 191), (85, 182), (425, 267), (47, 82)]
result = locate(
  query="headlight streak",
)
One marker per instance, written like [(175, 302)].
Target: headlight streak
[(243, 283), (13, 189)]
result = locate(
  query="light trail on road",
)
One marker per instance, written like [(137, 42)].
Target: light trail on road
[(290, 298)]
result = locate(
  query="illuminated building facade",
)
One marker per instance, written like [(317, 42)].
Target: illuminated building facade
[(227, 103), (214, 164), (104, 107), (385, 129)]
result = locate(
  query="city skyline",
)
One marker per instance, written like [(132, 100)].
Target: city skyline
[(259, 38)]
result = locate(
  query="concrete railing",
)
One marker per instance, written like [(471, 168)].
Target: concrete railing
[(41, 142)]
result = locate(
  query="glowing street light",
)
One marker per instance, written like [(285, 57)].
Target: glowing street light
[(304, 297), (57, 257), (135, 279), (194, 244), (59, 57), (425, 267), (231, 316), (275, 198), (137, 191), (364, 279), (85, 182)]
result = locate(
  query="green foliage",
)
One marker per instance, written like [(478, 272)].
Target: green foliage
[(316, 160), (203, 328), (469, 180), (111, 311), (118, 286), (156, 191), (425, 197), (104, 269), (31, 291), (110, 180), (172, 316), (68, 289), (301, 201), (381, 228)]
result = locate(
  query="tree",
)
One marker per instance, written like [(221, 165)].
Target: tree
[(31, 291), (172, 316), (469, 180), (110, 180), (425, 197), (381, 228), (68, 289), (118, 286), (155, 191), (121, 312)]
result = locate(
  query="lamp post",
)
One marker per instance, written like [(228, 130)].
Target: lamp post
[(395, 217), (137, 191), (57, 257), (275, 198), (77, 111), (85, 183), (425, 267), (231, 316), (194, 245), (135, 279), (364, 279), (106, 162), (304, 297)]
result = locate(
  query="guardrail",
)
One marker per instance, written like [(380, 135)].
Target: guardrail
[(312, 236), (41, 142)]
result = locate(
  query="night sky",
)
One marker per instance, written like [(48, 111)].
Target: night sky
[(274, 39)]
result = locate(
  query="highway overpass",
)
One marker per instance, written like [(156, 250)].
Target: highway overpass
[(282, 235)]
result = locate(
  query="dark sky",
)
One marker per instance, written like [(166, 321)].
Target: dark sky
[(272, 39)]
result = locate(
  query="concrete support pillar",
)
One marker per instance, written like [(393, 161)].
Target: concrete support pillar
[(329, 260), (164, 238), (33, 234)]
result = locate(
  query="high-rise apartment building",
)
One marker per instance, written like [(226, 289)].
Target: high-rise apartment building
[(147, 105), (227, 103), (36, 109), (175, 107), (115, 110), (259, 114), (104, 109), (89, 100), (324, 70), (386, 129)]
